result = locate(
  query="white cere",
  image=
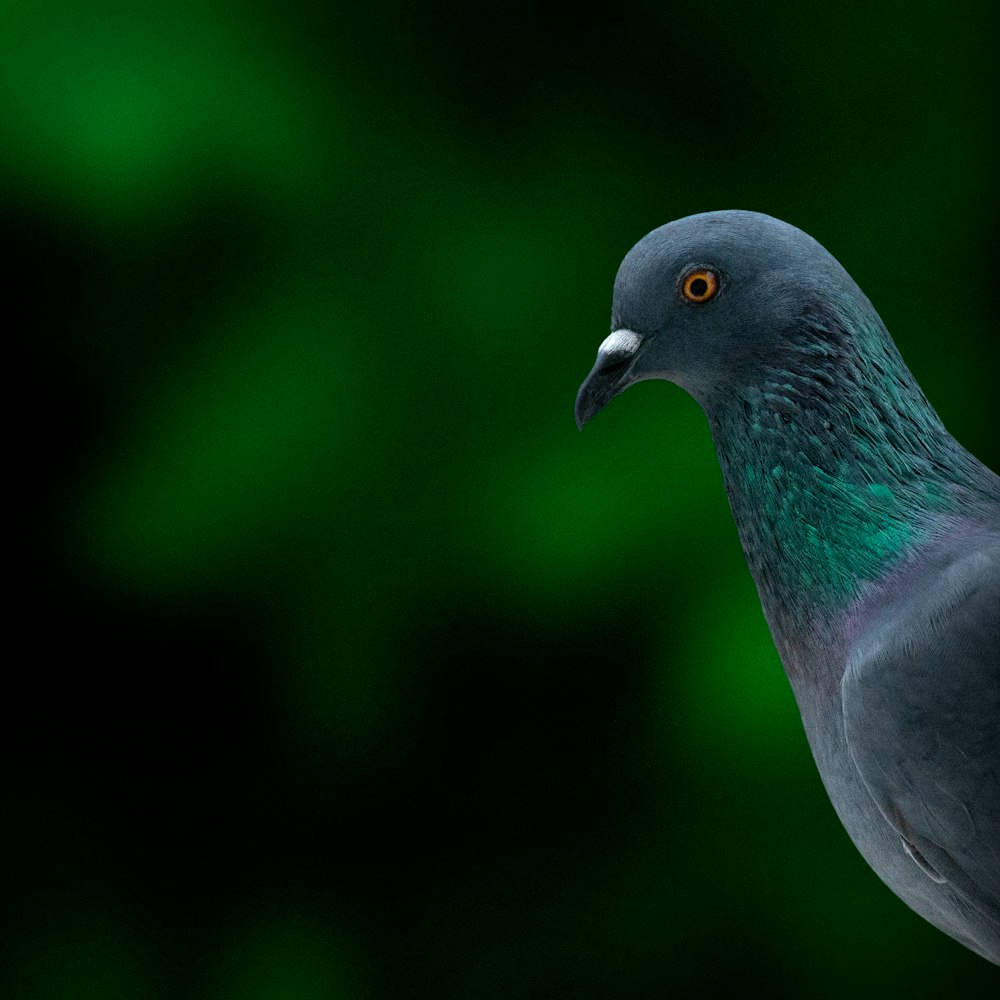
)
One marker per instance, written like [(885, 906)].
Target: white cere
[(621, 342)]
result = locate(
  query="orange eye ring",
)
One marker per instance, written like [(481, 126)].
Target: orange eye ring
[(700, 286)]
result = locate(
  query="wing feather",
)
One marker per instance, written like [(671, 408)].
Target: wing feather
[(921, 703)]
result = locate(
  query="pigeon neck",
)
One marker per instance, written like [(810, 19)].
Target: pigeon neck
[(831, 462)]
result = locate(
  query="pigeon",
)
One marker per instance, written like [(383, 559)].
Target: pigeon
[(872, 535)]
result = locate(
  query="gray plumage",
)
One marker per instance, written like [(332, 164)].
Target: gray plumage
[(872, 535)]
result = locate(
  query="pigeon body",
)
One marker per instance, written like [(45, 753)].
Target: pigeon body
[(872, 535)]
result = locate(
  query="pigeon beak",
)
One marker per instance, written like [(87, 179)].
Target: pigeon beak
[(610, 375)]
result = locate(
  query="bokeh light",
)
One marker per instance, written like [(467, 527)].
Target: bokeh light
[(352, 669)]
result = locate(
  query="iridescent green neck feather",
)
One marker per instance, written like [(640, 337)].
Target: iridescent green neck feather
[(833, 460)]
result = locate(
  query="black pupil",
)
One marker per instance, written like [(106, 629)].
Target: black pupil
[(698, 287)]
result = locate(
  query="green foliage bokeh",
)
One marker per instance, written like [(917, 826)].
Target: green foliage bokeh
[(360, 672)]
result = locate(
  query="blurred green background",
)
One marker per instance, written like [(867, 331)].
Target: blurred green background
[(350, 669)]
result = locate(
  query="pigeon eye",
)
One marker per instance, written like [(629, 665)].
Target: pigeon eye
[(700, 286)]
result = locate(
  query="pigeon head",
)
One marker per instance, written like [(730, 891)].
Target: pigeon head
[(710, 302)]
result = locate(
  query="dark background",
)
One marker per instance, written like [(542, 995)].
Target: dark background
[(342, 665)]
